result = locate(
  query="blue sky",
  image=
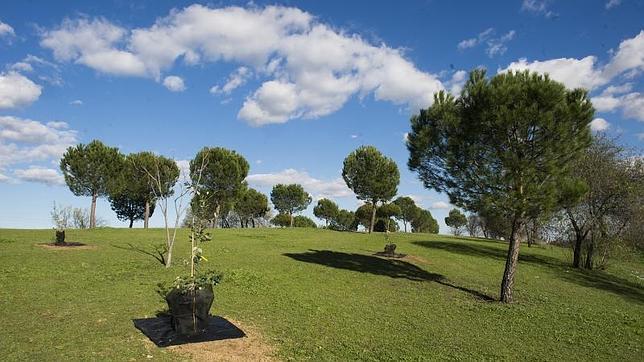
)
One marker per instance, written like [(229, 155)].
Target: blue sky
[(293, 86)]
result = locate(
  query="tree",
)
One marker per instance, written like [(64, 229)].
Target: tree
[(424, 222), (473, 225), (251, 204), (372, 177), (344, 220), (89, 169), (301, 221), (601, 212), (385, 212), (326, 210), (131, 195), (363, 215), (457, 221), (222, 176), (408, 209), (141, 162), (128, 208), (282, 220), (508, 142), (290, 199)]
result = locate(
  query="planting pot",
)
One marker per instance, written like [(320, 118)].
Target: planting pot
[(190, 310), (60, 236), (390, 249)]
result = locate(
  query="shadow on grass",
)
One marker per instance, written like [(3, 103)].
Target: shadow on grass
[(158, 251), (592, 279), (378, 266)]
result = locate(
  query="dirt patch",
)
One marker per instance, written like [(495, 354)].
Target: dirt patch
[(66, 246), (253, 347)]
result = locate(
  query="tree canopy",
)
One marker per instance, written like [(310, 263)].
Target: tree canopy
[(290, 199), (326, 210), (507, 142), (456, 220), (372, 177), (251, 204), (408, 209)]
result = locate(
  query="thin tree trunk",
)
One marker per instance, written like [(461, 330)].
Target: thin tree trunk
[(405, 223), (92, 215), (511, 262), (589, 252), (131, 223), (252, 220), (146, 216), (373, 217), (291, 215)]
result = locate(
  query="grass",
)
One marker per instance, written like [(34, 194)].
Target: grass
[(320, 295)]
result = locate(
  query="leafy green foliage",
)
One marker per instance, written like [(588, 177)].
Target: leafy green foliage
[(506, 143), (372, 177), (251, 204), (282, 220), (189, 283), (408, 209), (344, 220), (424, 222), (301, 221), (326, 210), (290, 199), (457, 221)]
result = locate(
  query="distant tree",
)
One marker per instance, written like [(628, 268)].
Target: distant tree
[(131, 195), (424, 222), (251, 204), (408, 209), (89, 170), (457, 221), (363, 215), (473, 225), (301, 221), (508, 142), (326, 210), (282, 220), (372, 177), (80, 218), (386, 212), (290, 199), (222, 179), (128, 208), (343, 220), (142, 161)]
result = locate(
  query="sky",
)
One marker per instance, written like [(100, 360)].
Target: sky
[(293, 86)]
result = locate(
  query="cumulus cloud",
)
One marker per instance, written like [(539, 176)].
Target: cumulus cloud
[(17, 90), (6, 30), (46, 176), (174, 83), (456, 82), (585, 72), (312, 69), (439, 205), (620, 97), (235, 80), (318, 188), (599, 124), (24, 140)]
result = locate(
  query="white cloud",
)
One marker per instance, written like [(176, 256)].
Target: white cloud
[(174, 83), (612, 3), (235, 80), (46, 176), (316, 187), (456, 82), (24, 140), (497, 46), (599, 124), (21, 67), (17, 90), (184, 168), (76, 102), (312, 69), (405, 137), (354, 136), (633, 106), (6, 30), (4, 178), (585, 73), (640, 136), (621, 97), (467, 43), (539, 7), (439, 205)]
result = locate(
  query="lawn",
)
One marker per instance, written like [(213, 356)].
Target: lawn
[(320, 295)]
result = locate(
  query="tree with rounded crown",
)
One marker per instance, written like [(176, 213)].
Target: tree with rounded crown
[(506, 142), (290, 199), (146, 161), (89, 170), (457, 221), (408, 209), (424, 222), (326, 210), (222, 176), (387, 211), (250, 205), (373, 177)]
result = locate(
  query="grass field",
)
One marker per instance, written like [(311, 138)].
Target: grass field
[(320, 295)]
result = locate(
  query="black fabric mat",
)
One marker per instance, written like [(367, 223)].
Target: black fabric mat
[(159, 331)]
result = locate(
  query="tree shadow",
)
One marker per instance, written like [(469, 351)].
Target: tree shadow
[(593, 279), (379, 266), (158, 252), (460, 247)]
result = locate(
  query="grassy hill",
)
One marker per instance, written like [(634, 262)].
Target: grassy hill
[(321, 295)]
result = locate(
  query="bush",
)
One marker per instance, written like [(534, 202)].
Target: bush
[(304, 222)]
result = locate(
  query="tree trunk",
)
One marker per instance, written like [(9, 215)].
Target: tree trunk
[(405, 223), (131, 223), (291, 215), (168, 261), (589, 252), (146, 215), (252, 220), (373, 217), (511, 262), (92, 214), (576, 254)]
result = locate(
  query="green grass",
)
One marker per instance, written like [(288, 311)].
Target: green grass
[(321, 295)]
